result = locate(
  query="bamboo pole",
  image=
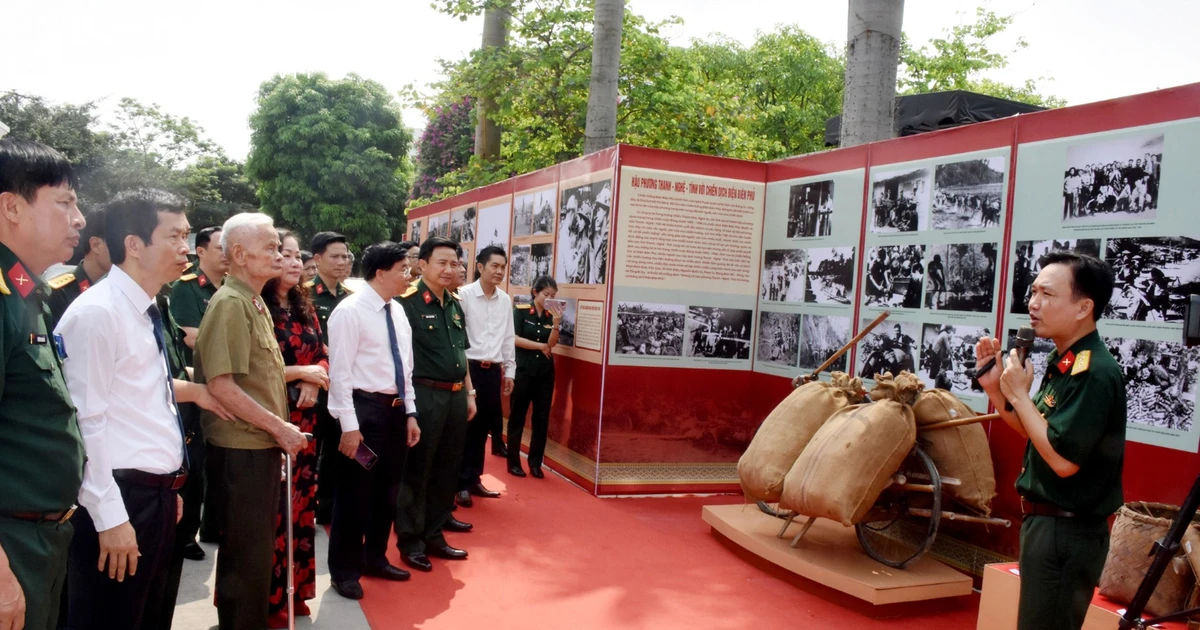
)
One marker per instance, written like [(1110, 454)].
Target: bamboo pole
[(808, 378), (966, 518), (959, 422)]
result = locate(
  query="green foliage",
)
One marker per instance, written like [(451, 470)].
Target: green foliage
[(956, 60), (331, 155)]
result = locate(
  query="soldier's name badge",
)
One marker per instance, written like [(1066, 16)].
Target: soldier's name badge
[(60, 346), (429, 317), (38, 340)]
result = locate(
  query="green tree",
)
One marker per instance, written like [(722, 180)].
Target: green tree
[(71, 129), (331, 155), (445, 145)]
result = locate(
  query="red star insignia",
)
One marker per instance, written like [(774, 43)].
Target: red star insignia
[(84, 285), (428, 297), (320, 289), (203, 281), (1066, 362), (21, 278), (258, 305)]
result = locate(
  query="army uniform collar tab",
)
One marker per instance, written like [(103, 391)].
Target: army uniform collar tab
[(15, 278), (423, 288)]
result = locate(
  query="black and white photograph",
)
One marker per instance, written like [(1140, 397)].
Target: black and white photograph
[(961, 277), (891, 347), (1153, 277), (1038, 354), (810, 210), (583, 234), (1026, 265), (894, 276), (783, 275), (900, 200), (1113, 180), (566, 328), (523, 215), (520, 267), (948, 357), (968, 194), (779, 338), (820, 337), (543, 212), (462, 225), (541, 257), (829, 276), (493, 226), (1160, 381), (650, 329), (439, 226), (414, 231), (718, 333)]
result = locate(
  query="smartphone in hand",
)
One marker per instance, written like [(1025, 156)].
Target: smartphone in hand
[(365, 456), (556, 306)]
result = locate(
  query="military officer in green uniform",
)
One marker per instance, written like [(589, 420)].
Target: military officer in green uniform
[(536, 329), (191, 292), (91, 264), (1075, 426), (41, 451), (445, 403)]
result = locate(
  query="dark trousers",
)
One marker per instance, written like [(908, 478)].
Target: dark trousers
[(488, 416), (248, 486), (538, 390), (185, 532), (328, 436), (98, 601), (1061, 561), (431, 476), (37, 555), (365, 502)]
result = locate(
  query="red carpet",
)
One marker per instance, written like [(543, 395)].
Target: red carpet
[(548, 555)]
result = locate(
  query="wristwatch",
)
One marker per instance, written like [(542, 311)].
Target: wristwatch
[(470, 392)]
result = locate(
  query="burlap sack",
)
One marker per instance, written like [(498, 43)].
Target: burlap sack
[(787, 430), (851, 459), (958, 452), (1137, 526)]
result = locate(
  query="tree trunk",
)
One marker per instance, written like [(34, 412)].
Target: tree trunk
[(601, 129), (872, 54), (495, 36)]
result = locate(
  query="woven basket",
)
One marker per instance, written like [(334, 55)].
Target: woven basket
[(1137, 527)]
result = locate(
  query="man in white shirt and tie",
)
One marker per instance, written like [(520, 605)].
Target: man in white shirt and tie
[(371, 395), (492, 360), (119, 377)]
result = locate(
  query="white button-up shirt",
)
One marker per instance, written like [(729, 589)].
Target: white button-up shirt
[(360, 354), (490, 327), (118, 379)]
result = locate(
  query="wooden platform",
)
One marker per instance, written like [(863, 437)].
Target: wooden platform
[(829, 554)]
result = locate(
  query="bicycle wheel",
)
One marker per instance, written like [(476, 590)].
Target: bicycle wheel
[(888, 533)]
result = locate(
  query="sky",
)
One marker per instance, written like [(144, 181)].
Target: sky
[(205, 60)]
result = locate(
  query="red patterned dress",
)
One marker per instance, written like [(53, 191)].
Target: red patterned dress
[(300, 345)]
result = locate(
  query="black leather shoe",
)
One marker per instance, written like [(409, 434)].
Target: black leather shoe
[(515, 470), (537, 473), (192, 551), (463, 498), (479, 491), (417, 560), (455, 525), (387, 572), (500, 451), (349, 589), (448, 552)]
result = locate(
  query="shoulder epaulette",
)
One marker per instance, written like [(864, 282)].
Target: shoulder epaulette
[(409, 291), (454, 295), (188, 277), (3, 287), (524, 306), (1082, 361), (310, 284), (346, 289), (60, 281)]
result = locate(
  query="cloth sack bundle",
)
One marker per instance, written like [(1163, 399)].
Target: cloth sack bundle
[(959, 452)]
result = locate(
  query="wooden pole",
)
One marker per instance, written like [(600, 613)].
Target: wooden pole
[(966, 518), (959, 422), (808, 378)]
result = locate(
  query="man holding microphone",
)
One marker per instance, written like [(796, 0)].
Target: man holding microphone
[(1070, 481)]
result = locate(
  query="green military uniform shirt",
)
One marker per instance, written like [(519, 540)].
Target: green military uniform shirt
[(439, 330), (41, 451), (237, 337), (1082, 397), (190, 296), (324, 301), (527, 324), (66, 287)]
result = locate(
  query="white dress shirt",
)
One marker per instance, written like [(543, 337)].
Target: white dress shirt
[(118, 379), (360, 354), (489, 327)]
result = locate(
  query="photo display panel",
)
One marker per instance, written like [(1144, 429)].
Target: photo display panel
[(1121, 195), (581, 260), (806, 288), (686, 270), (934, 229)]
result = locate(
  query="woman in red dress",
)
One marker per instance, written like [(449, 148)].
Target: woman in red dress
[(299, 336)]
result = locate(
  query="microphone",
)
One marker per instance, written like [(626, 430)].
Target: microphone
[(1022, 345)]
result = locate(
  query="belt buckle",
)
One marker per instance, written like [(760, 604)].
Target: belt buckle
[(68, 514), (486, 365), (1024, 505), (457, 387), (180, 479), (397, 402)]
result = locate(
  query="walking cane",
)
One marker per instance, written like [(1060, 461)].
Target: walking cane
[(291, 561)]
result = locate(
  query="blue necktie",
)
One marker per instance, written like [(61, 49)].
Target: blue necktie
[(156, 319), (395, 344)]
